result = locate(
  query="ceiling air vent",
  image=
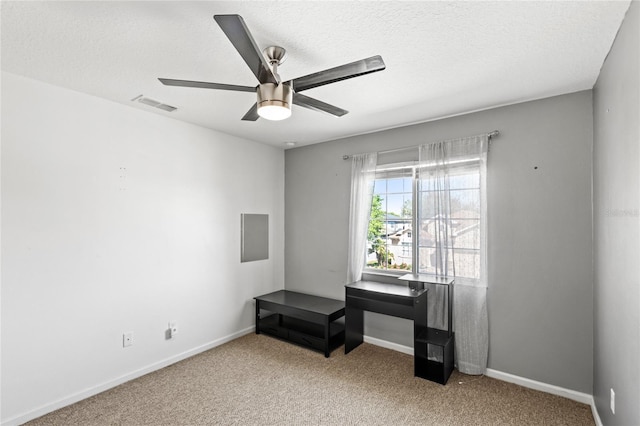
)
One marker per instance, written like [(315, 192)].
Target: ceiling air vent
[(154, 103)]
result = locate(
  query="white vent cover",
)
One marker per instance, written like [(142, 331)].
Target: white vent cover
[(166, 107), (154, 103)]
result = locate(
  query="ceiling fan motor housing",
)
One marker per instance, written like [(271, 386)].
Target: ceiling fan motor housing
[(274, 95)]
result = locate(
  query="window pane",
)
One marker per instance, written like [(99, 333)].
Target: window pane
[(434, 261), (395, 185), (427, 260), (407, 207), (390, 243), (426, 234), (383, 203), (467, 263), (429, 202), (389, 229), (466, 234), (465, 178), (394, 204), (466, 202), (408, 184), (400, 253), (459, 233)]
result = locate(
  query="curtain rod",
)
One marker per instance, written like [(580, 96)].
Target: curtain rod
[(490, 135)]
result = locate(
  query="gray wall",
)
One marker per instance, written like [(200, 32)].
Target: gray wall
[(540, 247), (617, 228)]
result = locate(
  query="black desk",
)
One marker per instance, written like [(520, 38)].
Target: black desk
[(301, 318), (389, 299), (399, 300)]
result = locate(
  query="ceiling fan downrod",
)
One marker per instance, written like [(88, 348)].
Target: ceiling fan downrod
[(275, 100), (276, 56)]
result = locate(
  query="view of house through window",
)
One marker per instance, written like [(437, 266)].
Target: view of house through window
[(391, 240), (459, 231)]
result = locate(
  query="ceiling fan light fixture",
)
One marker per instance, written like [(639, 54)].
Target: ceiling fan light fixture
[(274, 101), (274, 112)]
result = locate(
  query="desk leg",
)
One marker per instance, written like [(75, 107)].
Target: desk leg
[(327, 326), (257, 317), (354, 328)]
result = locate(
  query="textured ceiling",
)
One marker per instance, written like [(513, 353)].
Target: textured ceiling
[(443, 58)]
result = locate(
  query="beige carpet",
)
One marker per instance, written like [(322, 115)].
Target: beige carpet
[(259, 380)]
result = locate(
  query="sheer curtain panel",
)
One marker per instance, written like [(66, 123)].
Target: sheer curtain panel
[(363, 173), (452, 240)]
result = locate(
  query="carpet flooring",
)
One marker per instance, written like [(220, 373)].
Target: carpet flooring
[(259, 380)]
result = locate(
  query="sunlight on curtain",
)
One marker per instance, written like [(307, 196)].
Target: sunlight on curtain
[(363, 173), (452, 224)]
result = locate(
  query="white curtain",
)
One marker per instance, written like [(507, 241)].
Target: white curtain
[(363, 173), (452, 226)]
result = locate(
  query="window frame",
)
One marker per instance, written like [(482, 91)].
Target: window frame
[(414, 166)]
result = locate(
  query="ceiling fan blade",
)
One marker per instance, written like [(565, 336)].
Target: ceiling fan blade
[(252, 114), (238, 33), (205, 85), (316, 105), (343, 72)]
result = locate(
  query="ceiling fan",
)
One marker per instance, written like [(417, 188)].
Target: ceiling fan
[(275, 96)]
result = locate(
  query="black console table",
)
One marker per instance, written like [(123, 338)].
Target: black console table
[(407, 301), (303, 319)]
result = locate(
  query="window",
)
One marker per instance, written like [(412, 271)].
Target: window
[(462, 233), (389, 239), (402, 202)]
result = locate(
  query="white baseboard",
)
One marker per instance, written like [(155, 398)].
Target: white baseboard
[(71, 399), (544, 387), (581, 397), (389, 345), (594, 411), (511, 378)]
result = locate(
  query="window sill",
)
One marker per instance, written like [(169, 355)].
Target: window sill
[(383, 277)]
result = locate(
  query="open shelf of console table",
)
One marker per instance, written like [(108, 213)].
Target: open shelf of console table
[(300, 318), (433, 347)]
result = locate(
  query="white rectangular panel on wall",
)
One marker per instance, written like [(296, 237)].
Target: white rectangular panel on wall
[(255, 237)]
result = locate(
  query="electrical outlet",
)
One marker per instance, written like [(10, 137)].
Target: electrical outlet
[(173, 329), (613, 401), (127, 339)]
